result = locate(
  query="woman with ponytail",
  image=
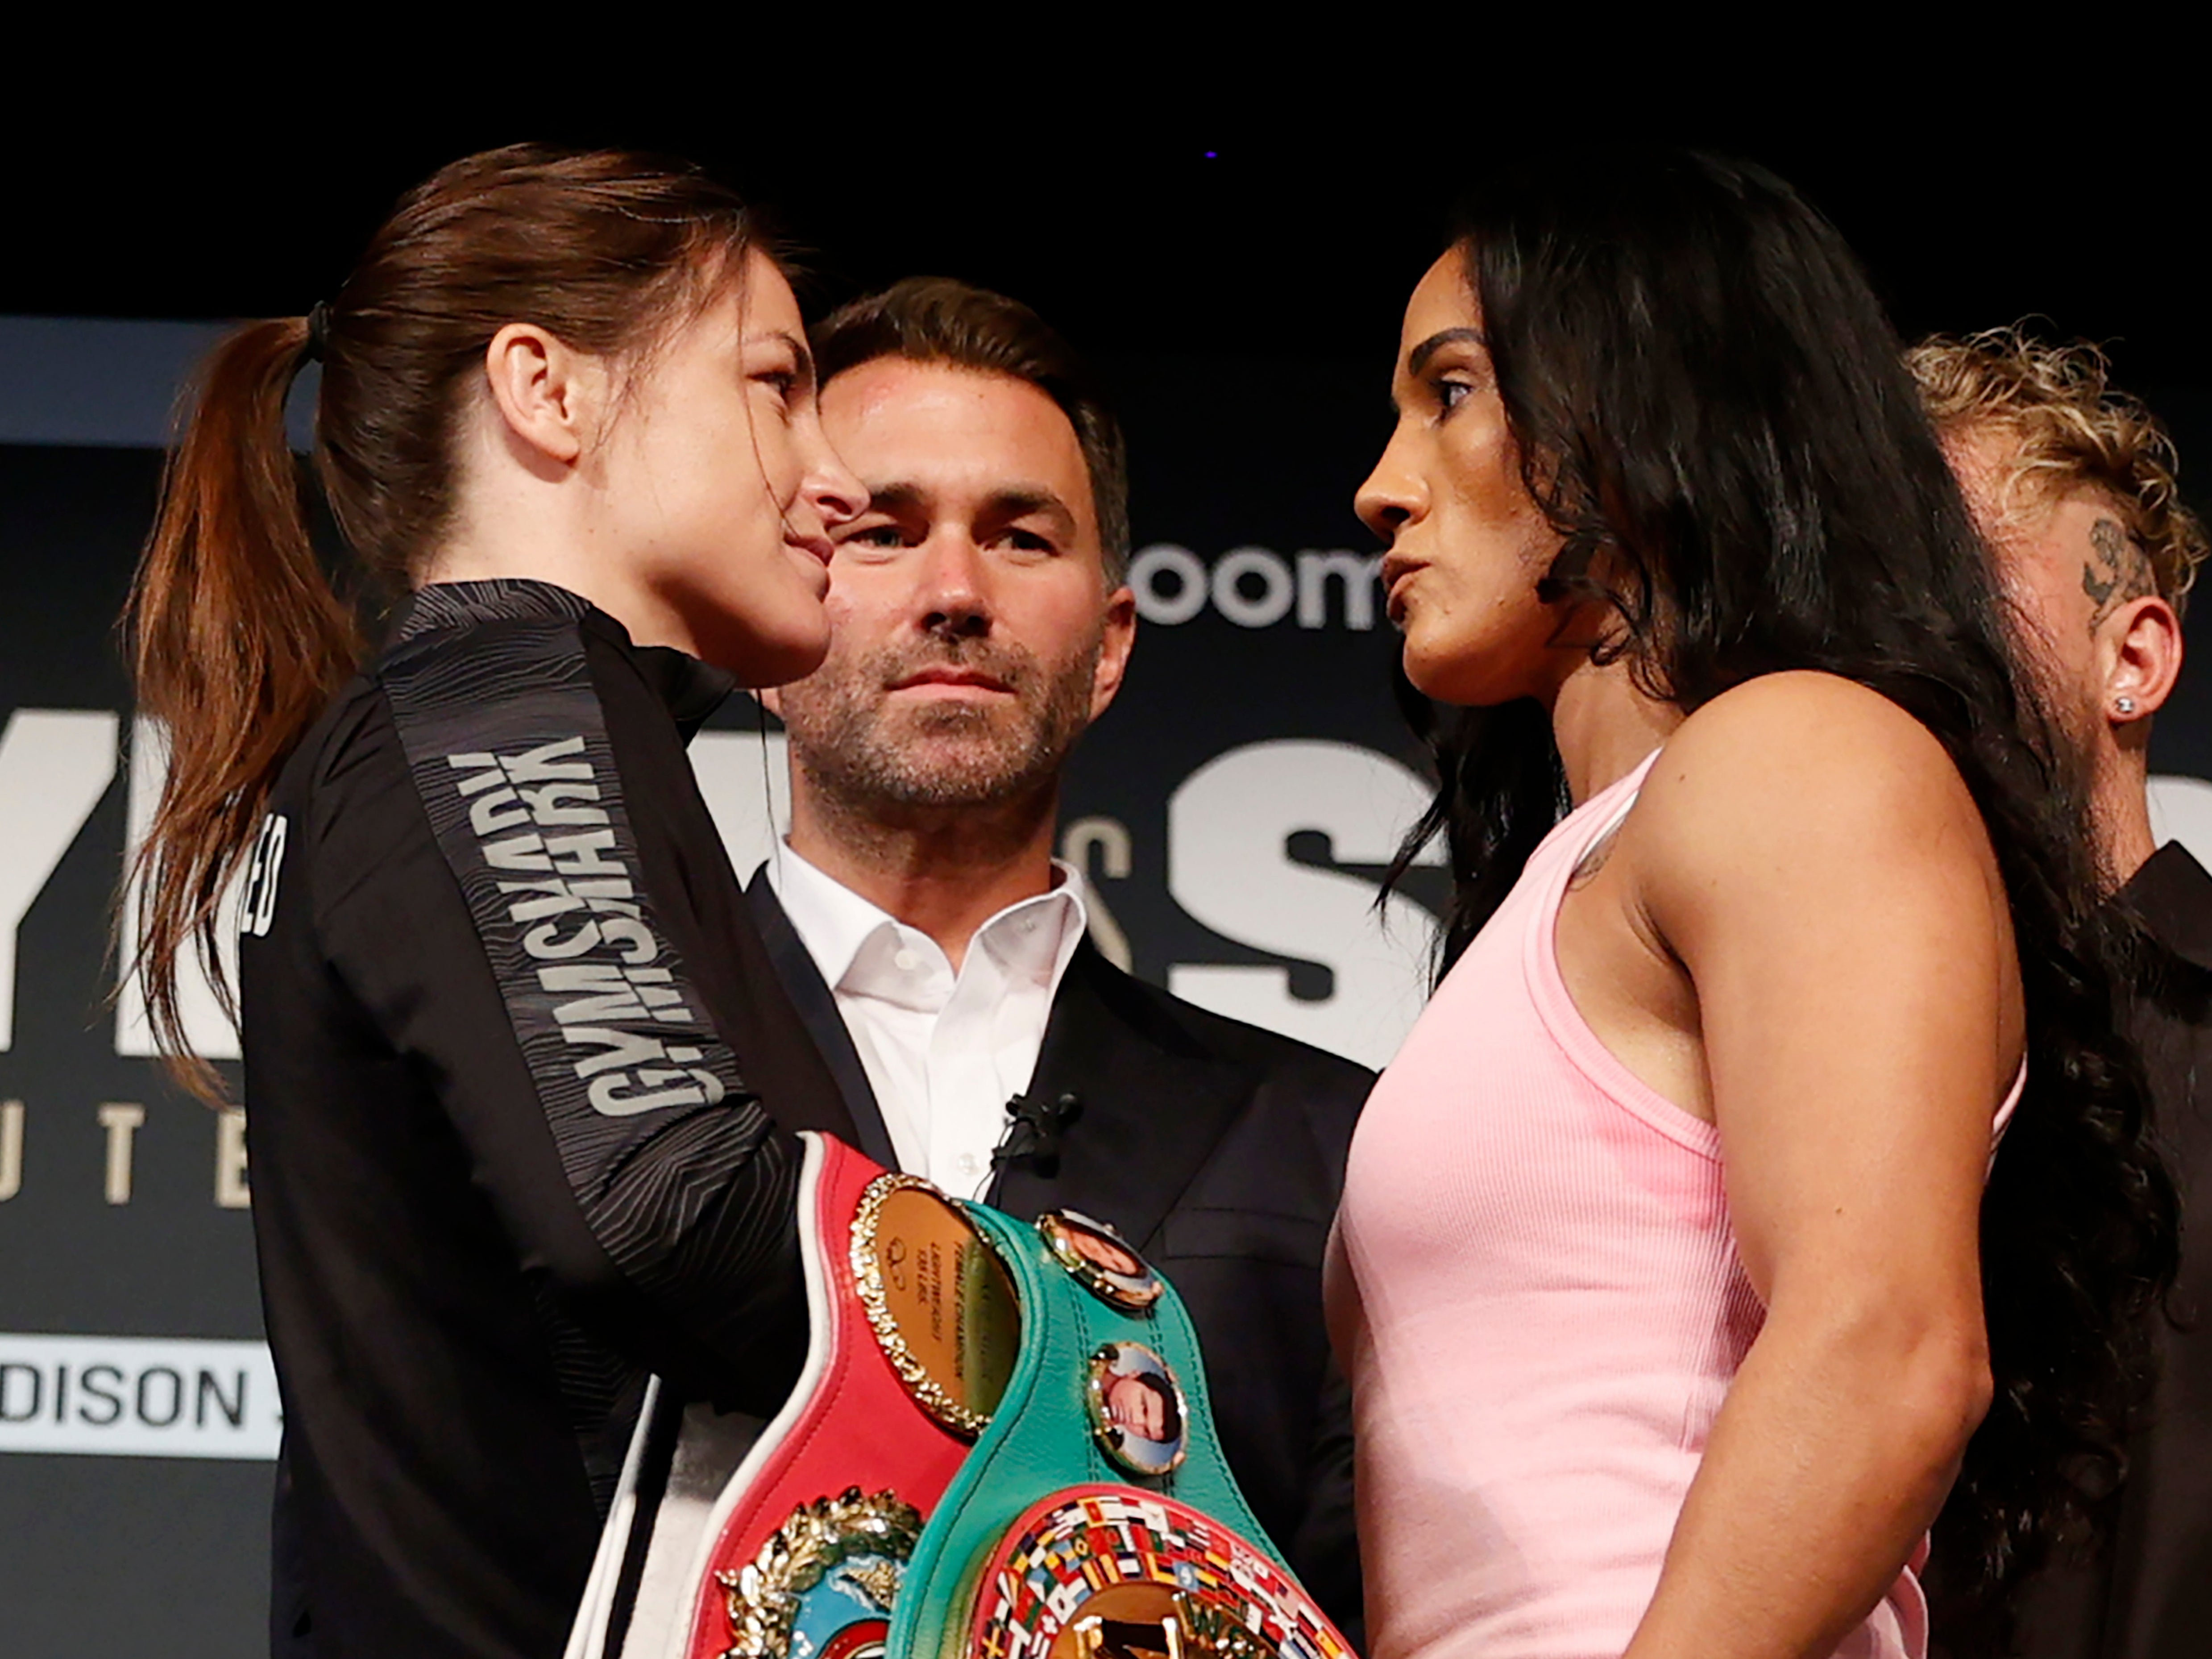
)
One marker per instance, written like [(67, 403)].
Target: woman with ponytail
[(520, 1084), (1766, 1158)]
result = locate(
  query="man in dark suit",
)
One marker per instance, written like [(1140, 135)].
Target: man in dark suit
[(2072, 487), (938, 950)]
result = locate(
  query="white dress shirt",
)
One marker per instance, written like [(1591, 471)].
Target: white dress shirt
[(943, 1051)]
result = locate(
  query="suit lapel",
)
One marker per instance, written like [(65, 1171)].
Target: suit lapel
[(818, 1011), (1153, 1105)]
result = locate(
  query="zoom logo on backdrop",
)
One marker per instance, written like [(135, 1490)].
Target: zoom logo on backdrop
[(1255, 588)]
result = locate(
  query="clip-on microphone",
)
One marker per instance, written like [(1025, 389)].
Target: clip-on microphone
[(1033, 1132)]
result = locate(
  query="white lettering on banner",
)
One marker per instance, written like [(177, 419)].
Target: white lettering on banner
[(11, 1148), (1110, 838), (1229, 866), (1184, 599), (745, 780), (55, 765), (231, 1192), (117, 1123), (135, 1396), (1243, 605), (1362, 579), (207, 1028), (1254, 587), (122, 1119)]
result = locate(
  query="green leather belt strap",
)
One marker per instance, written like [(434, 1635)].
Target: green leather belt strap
[(1041, 1439)]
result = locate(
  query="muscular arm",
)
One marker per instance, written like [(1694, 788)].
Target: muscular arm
[(1812, 861)]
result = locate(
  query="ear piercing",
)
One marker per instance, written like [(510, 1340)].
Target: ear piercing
[(2124, 705)]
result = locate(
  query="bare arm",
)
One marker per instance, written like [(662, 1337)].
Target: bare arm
[(1812, 861)]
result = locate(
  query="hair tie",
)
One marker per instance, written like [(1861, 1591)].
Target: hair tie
[(319, 333)]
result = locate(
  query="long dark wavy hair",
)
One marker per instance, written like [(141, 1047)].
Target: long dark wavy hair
[(1710, 409)]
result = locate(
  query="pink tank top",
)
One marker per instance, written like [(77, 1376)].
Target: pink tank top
[(1534, 1291)]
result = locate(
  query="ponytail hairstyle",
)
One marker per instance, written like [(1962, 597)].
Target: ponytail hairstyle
[(237, 635), (1712, 412)]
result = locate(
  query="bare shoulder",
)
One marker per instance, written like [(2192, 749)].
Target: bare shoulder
[(1804, 721), (1806, 763)]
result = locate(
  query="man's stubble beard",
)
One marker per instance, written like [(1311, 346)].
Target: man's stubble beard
[(872, 756)]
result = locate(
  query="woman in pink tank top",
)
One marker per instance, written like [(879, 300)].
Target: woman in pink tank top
[(1680, 1269)]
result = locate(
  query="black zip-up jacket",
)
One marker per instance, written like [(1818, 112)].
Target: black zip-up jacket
[(520, 1086)]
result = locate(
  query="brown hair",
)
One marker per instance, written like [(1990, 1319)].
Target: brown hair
[(2070, 431), (937, 320), (237, 635)]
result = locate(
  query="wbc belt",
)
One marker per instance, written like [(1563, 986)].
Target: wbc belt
[(1096, 1517)]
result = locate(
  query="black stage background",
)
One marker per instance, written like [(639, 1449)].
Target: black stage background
[(1241, 290)]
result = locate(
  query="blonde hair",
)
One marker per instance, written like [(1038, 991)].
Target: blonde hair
[(2070, 430)]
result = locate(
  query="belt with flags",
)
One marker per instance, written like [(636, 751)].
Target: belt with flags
[(1000, 1447)]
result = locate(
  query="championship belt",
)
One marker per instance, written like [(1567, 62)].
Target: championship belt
[(1093, 1518), (1096, 1517), (911, 1333)]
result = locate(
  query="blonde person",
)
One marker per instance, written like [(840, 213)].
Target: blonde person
[(2073, 483)]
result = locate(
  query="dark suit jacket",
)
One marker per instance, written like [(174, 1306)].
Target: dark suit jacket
[(1219, 1150), (2148, 1594)]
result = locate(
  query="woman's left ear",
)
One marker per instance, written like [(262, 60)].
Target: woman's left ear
[(2142, 647), (549, 395)]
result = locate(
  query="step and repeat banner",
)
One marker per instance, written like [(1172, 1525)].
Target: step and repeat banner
[(1233, 811)]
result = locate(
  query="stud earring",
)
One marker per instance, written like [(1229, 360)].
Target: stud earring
[(2124, 705)]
